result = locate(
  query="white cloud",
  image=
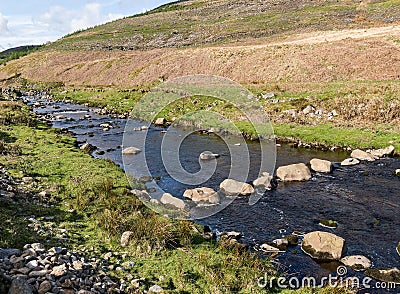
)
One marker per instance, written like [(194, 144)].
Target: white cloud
[(56, 22), (66, 20), (3, 25)]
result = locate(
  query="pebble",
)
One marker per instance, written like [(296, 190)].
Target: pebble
[(58, 270)]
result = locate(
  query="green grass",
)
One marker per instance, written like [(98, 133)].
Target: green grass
[(334, 136), (119, 101)]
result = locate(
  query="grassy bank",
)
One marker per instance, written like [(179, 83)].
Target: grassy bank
[(367, 112)]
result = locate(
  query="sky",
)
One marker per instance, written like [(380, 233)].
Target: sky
[(35, 22)]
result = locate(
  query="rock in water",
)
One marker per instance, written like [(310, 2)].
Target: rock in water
[(323, 246), (234, 188), (397, 172), (388, 151), (391, 275), (362, 155), (168, 199), (202, 195), (263, 182), (268, 248), (356, 262), (294, 172), (322, 166), (349, 162), (87, 147), (131, 151), (293, 240), (207, 155), (160, 121)]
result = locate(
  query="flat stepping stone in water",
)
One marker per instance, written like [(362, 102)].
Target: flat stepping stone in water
[(202, 195), (350, 162), (362, 155), (320, 165), (169, 200), (207, 155), (269, 248), (131, 151), (234, 188), (356, 262), (294, 172)]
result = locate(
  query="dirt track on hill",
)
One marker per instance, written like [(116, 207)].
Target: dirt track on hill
[(334, 36), (318, 57)]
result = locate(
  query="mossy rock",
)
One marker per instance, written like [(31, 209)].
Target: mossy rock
[(329, 223), (385, 275), (293, 240)]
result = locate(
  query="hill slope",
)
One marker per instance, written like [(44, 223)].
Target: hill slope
[(194, 23), (251, 41)]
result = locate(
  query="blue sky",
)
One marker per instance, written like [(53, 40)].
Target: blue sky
[(39, 21)]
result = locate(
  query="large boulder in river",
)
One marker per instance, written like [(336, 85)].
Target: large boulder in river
[(383, 152), (322, 166), (397, 172), (294, 172), (323, 246), (131, 151), (202, 195), (234, 188), (391, 275), (356, 262), (169, 200), (362, 155)]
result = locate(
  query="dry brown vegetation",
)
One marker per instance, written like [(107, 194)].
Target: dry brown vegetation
[(365, 58)]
